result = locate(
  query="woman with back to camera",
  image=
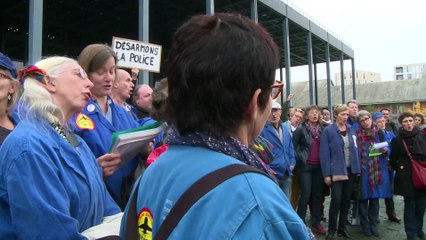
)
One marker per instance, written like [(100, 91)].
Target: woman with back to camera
[(220, 73), (8, 91), (340, 167), (414, 199), (50, 184), (101, 117)]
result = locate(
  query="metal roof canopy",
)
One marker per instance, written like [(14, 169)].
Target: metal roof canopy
[(71, 25), (68, 26)]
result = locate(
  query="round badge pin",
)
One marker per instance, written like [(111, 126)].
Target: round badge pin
[(91, 108)]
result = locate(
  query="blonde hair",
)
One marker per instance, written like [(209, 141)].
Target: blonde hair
[(339, 108), (294, 111), (38, 101)]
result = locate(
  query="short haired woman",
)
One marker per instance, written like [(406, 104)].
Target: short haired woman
[(50, 184), (220, 72), (306, 140), (414, 199), (419, 121), (340, 166)]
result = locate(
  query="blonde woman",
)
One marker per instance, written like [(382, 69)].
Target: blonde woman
[(340, 166), (50, 183)]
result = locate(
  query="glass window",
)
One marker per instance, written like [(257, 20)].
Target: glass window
[(398, 69)]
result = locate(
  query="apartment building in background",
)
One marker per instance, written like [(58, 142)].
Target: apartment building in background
[(410, 71), (361, 77)]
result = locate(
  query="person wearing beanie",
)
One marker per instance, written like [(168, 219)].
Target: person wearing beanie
[(380, 122), (8, 89)]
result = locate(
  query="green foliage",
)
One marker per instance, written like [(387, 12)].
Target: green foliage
[(370, 108)]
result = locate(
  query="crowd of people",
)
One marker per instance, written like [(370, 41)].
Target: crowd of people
[(58, 178)]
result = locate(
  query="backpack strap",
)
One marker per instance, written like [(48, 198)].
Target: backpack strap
[(197, 191), (131, 219)]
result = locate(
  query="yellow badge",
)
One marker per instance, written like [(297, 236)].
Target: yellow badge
[(84, 122), (145, 224), (402, 167)]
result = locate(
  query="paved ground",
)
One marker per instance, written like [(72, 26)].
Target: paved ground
[(388, 230)]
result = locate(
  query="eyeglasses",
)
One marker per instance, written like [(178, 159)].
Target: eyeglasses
[(5, 76), (276, 89), (81, 73), (364, 119)]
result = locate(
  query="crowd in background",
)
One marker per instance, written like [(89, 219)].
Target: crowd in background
[(59, 178)]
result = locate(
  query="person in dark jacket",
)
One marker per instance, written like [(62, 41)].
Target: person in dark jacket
[(306, 140), (414, 199), (390, 126), (340, 166)]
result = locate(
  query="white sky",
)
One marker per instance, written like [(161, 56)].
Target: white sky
[(381, 33)]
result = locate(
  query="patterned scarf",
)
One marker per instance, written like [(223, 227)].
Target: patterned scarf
[(223, 144), (315, 131), (365, 142)]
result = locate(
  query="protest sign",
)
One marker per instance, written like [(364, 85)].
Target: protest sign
[(136, 54)]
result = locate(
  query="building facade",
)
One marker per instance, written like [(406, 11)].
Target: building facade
[(361, 77), (410, 71)]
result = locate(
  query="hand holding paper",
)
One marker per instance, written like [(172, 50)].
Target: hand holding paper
[(374, 151), (380, 145), (130, 143), (109, 162)]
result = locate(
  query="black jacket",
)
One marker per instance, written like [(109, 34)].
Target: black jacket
[(416, 142), (302, 140)]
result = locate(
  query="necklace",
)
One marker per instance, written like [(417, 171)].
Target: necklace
[(67, 136)]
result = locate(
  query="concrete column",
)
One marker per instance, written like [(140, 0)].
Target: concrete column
[(210, 7), (353, 79), (35, 31), (327, 60), (342, 77), (287, 60), (310, 67), (143, 35), (253, 8)]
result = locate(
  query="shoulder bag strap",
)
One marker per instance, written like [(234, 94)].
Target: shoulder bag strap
[(406, 149), (198, 190)]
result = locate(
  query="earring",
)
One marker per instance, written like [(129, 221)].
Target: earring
[(9, 97)]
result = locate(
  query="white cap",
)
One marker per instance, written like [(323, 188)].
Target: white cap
[(276, 105)]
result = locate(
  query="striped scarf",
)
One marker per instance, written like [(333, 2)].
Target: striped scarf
[(365, 142)]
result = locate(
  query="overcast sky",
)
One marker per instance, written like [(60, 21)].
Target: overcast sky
[(381, 33)]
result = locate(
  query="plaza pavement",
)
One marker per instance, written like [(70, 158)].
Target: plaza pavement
[(388, 230)]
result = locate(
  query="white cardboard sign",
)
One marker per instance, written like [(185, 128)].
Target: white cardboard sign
[(136, 54)]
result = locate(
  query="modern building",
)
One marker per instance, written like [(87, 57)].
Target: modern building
[(410, 71), (361, 77)]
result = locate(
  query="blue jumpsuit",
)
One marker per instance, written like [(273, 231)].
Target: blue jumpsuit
[(48, 188), (247, 206), (96, 130)]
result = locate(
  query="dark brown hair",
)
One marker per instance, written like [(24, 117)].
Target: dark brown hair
[(405, 115), (215, 65)]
